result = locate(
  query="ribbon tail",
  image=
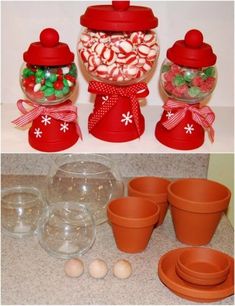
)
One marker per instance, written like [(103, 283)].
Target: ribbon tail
[(174, 120), (97, 115), (135, 111), (27, 118), (79, 131), (211, 133)]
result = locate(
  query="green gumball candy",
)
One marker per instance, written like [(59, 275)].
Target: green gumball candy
[(194, 91), (49, 92)]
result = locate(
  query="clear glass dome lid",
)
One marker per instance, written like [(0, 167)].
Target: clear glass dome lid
[(91, 179)]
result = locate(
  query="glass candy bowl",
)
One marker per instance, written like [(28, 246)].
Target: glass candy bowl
[(90, 180), (66, 230), (188, 77), (118, 48), (48, 80)]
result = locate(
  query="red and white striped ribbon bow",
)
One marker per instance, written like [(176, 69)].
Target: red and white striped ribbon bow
[(66, 112), (203, 116), (133, 92)]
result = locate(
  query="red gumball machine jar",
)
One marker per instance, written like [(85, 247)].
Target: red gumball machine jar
[(188, 76), (48, 78), (119, 49)]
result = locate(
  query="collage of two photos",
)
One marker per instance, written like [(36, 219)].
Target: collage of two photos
[(117, 153)]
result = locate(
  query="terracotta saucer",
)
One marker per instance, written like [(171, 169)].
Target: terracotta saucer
[(186, 290)]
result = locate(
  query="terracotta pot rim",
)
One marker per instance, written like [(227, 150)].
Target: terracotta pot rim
[(133, 222), (161, 197), (198, 206)]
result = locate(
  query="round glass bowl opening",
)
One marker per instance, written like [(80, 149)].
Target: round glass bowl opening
[(48, 85), (66, 230), (187, 84), (21, 208), (119, 58), (91, 180)]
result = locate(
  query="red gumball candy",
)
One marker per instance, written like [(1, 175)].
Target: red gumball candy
[(70, 78), (51, 98), (58, 85)]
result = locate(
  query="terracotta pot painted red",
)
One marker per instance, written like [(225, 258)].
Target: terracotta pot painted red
[(153, 188), (132, 220), (197, 206), (118, 124)]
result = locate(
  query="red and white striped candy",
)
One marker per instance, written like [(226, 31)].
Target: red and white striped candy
[(136, 38), (149, 39), (140, 73), (85, 38), (84, 53), (102, 71), (147, 66), (141, 62), (143, 50), (109, 56), (116, 38), (113, 72), (94, 60), (130, 71), (125, 46), (131, 58), (152, 55), (99, 49)]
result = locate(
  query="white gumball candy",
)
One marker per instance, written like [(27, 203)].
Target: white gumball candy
[(74, 267), (122, 269), (98, 268)]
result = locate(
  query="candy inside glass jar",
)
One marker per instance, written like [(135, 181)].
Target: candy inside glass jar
[(48, 84), (120, 58), (187, 84)]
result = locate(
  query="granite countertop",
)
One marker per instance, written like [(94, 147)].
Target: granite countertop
[(30, 276)]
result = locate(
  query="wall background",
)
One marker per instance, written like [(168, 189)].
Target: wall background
[(166, 165), (221, 167), (22, 22)]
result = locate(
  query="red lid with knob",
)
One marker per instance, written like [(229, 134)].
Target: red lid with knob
[(48, 51), (119, 16), (192, 51)]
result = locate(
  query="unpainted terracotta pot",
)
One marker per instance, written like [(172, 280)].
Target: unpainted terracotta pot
[(197, 206), (206, 294), (132, 220), (196, 280), (204, 263), (153, 188)]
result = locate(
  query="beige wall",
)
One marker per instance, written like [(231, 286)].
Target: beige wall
[(221, 169)]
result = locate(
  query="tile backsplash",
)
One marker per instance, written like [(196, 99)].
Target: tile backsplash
[(165, 165)]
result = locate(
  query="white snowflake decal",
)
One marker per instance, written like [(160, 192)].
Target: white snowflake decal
[(64, 127), (169, 114), (46, 120), (127, 118), (189, 128), (38, 133), (105, 99)]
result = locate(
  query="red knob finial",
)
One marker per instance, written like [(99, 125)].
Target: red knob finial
[(193, 38), (121, 5), (49, 37)]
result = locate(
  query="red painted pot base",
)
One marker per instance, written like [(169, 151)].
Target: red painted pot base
[(118, 124), (51, 135), (187, 135)]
